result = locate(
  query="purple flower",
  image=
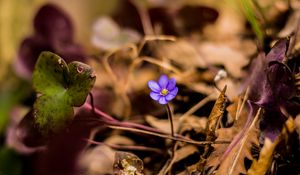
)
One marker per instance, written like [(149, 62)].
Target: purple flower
[(164, 90)]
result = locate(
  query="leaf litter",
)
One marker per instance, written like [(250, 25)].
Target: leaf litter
[(235, 110)]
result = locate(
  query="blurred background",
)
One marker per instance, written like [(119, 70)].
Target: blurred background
[(225, 32)]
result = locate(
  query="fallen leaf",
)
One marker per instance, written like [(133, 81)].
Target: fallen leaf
[(262, 165), (127, 164), (216, 115), (107, 35), (184, 152), (162, 124), (233, 163), (98, 160)]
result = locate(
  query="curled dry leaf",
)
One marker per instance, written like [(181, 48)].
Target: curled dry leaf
[(216, 115), (127, 164), (107, 34)]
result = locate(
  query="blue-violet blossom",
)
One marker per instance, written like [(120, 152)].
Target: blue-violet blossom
[(164, 90)]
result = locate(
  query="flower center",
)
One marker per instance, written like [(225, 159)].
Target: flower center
[(164, 92)]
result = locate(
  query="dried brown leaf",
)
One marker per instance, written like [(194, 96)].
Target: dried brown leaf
[(229, 159), (107, 34), (127, 164), (192, 122), (182, 52), (215, 116), (98, 160), (261, 166), (119, 140), (189, 170), (162, 124), (233, 163), (184, 152), (217, 54)]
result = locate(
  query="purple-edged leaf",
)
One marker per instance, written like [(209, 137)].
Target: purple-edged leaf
[(277, 53), (28, 53), (126, 15), (54, 33), (164, 18), (272, 123), (194, 18), (272, 87), (172, 22), (28, 132), (63, 151), (54, 24)]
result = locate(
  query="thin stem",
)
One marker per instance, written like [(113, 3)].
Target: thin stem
[(170, 116), (134, 127), (126, 147), (168, 136), (110, 120), (92, 102)]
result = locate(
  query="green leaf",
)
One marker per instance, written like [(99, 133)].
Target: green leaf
[(250, 16), (60, 87), (81, 82)]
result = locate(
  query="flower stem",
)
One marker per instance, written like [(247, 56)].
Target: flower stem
[(170, 116)]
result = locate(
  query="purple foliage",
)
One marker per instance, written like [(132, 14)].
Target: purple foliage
[(53, 31), (183, 20), (271, 87)]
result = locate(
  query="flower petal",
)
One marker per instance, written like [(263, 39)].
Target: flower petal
[(171, 84), (174, 91), (163, 81), (170, 97), (154, 86), (155, 96), (162, 100)]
